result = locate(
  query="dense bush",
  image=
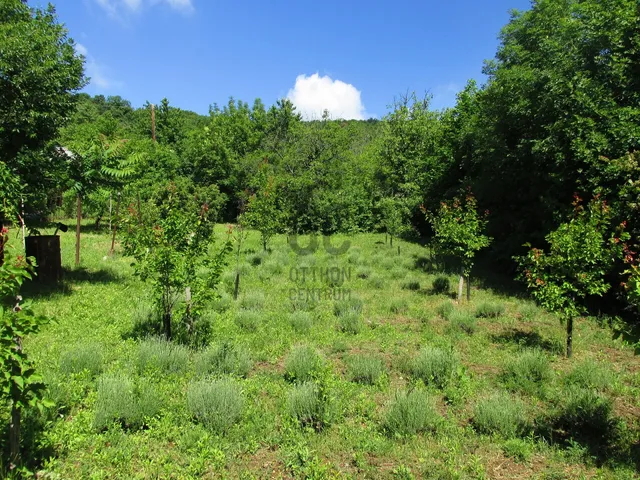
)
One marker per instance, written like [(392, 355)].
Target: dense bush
[(441, 285)]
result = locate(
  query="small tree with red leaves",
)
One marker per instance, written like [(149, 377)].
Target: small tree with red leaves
[(581, 251)]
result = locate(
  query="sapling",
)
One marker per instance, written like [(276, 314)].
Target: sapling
[(580, 252), (459, 232)]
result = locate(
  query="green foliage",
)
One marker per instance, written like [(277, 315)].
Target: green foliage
[(224, 358), (459, 230), (462, 321), (216, 404), (346, 306), (394, 215), (252, 300), (446, 309), (518, 449), (301, 321), (411, 413), (350, 323), (500, 414), (302, 364), (581, 251), (590, 375), (441, 285), (434, 366), (365, 369), (123, 401), (156, 354), (585, 414), (528, 372), (307, 403), (411, 284), (489, 310), (248, 320), (399, 306), (169, 238), (82, 358), (262, 212)]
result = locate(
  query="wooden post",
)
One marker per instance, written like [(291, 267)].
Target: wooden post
[(115, 226), (237, 286), (78, 219), (460, 285), (153, 122)]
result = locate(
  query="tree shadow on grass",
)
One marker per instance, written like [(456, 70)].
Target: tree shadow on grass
[(70, 277), (528, 340)]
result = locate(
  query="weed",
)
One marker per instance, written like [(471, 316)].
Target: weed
[(518, 449), (307, 405), (347, 306), (252, 300), (350, 323), (590, 374), (399, 306), (248, 320), (301, 321), (445, 309)]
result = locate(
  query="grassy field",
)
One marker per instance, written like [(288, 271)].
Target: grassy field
[(387, 377)]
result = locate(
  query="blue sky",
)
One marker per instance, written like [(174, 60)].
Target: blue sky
[(351, 57)]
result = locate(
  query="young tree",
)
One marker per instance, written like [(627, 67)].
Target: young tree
[(394, 213), (262, 211), (19, 383), (459, 232), (581, 251), (169, 238)]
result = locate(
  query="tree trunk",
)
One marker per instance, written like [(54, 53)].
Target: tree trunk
[(569, 337), (78, 220), (391, 240), (115, 227), (14, 433), (166, 320), (460, 286), (236, 288), (398, 249), (468, 288)]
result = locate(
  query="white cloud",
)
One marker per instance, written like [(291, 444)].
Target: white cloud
[(120, 9), (313, 94), (97, 72)]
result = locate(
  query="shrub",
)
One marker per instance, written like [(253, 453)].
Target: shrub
[(411, 413), (156, 353), (224, 359), (376, 281), (489, 310), (445, 309), (350, 323), (398, 272), (347, 306), (222, 302), (303, 303), (275, 266), (363, 273), (399, 306), (120, 400), (302, 363), (585, 414), (463, 321), (590, 374), (528, 372), (412, 284), (441, 285), (500, 414), (308, 406), (528, 311), (301, 321), (519, 450), (252, 300), (217, 405), (365, 369), (248, 320), (82, 358), (434, 366)]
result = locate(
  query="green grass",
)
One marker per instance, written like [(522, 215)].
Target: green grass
[(317, 395)]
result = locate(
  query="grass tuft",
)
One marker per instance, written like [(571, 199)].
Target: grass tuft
[(411, 413), (365, 369), (157, 354), (529, 372), (434, 366), (302, 363), (307, 405), (350, 323), (224, 358), (489, 310), (82, 358), (301, 321), (248, 320), (500, 414), (441, 285)]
